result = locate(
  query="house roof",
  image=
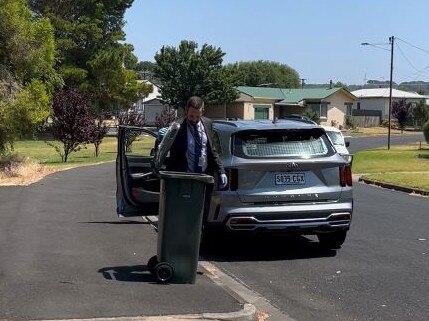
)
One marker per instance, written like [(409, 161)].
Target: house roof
[(385, 93), (291, 96)]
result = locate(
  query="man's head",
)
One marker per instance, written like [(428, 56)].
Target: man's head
[(194, 109)]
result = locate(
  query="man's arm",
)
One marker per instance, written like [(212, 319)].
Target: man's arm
[(215, 161)]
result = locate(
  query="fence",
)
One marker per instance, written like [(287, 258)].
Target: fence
[(366, 121)]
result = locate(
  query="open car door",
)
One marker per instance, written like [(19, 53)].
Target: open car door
[(137, 190)]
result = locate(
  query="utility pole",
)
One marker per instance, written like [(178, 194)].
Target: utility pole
[(391, 41)]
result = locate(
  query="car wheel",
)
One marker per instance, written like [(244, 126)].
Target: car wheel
[(332, 240)]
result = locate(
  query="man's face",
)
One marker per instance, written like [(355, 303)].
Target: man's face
[(194, 115)]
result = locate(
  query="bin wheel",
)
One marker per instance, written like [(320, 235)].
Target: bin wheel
[(163, 272), (151, 264)]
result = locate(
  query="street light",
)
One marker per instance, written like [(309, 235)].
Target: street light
[(391, 42)]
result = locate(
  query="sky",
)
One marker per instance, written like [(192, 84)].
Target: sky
[(321, 40)]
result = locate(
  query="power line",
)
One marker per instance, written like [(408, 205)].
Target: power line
[(410, 44), (406, 59)]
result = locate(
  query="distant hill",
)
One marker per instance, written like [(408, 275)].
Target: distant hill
[(421, 87)]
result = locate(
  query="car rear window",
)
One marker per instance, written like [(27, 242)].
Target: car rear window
[(301, 143)]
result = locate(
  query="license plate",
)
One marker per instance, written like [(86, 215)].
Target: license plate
[(290, 179)]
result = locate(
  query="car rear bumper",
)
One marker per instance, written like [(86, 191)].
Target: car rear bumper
[(309, 218)]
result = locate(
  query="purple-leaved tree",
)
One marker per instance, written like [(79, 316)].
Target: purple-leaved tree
[(400, 110), (97, 133), (71, 121), (168, 114), (131, 118)]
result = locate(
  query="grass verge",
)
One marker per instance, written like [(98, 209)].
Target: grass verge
[(406, 165), (46, 155)]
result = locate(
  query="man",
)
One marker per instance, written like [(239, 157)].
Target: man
[(192, 150)]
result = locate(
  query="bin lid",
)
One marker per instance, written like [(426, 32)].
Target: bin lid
[(191, 176), (165, 145)]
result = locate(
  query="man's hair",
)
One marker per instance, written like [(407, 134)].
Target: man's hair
[(195, 102)]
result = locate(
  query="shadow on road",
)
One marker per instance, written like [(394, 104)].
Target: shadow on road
[(135, 273), (264, 248)]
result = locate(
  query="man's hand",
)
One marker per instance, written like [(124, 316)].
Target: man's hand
[(223, 181)]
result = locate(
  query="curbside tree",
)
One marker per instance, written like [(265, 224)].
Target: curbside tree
[(400, 110), (72, 121), (97, 133)]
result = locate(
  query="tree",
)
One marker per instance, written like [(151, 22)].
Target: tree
[(71, 121), (186, 71), (426, 131), (97, 133), (27, 75), (400, 110), (27, 45), (131, 118), (92, 54), (265, 73), (420, 113), (168, 114)]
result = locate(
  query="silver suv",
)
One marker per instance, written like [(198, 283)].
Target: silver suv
[(283, 177)]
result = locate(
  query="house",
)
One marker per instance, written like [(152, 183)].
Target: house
[(332, 104), (151, 106), (375, 101)]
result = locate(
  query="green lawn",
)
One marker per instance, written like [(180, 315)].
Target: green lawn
[(400, 166), (46, 155)]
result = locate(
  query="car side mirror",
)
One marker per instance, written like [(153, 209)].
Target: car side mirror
[(347, 144)]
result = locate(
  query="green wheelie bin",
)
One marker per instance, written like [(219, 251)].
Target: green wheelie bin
[(181, 209)]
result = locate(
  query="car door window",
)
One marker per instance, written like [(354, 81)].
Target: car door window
[(138, 143)]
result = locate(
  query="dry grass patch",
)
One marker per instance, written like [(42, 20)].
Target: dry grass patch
[(15, 170), (375, 131)]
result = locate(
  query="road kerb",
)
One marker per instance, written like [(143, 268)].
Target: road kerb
[(263, 310), (408, 190)]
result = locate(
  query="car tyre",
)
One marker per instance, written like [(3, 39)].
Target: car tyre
[(332, 240)]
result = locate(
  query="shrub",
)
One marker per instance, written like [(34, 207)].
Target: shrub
[(312, 115), (349, 122)]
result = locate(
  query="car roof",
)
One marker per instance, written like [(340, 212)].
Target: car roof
[(262, 124)]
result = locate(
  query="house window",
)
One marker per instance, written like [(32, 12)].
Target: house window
[(261, 111), (349, 107), (320, 108), (358, 105)]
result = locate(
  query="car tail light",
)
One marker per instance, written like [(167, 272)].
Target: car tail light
[(232, 174), (346, 175)]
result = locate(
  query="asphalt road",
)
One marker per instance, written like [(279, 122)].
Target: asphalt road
[(64, 254), (380, 273), (362, 143)]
